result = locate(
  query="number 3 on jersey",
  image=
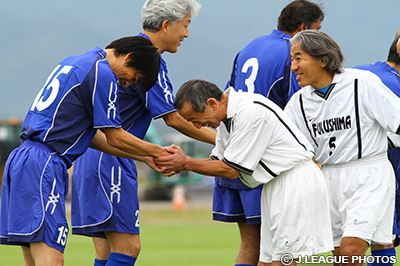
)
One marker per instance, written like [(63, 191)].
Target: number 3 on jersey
[(252, 64), (52, 90)]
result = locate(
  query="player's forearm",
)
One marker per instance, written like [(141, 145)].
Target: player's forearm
[(210, 167), (138, 148), (99, 142), (204, 134), (126, 142), (176, 121)]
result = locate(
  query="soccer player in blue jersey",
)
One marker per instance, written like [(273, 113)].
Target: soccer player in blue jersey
[(388, 72), (262, 66), (77, 107), (104, 192)]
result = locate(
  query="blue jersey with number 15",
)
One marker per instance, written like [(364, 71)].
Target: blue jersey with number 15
[(79, 97)]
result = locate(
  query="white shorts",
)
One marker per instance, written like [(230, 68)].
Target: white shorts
[(362, 199), (295, 214)]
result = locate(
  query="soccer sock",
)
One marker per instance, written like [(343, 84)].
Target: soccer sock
[(119, 259), (383, 257), (244, 265), (98, 262)]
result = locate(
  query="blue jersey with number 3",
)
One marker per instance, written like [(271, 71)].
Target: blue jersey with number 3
[(263, 67), (79, 97)]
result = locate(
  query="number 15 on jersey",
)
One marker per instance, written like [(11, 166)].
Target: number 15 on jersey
[(52, 91)]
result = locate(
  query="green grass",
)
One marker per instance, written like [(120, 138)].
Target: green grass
[(187, 237), (168, 238), (189, 244)]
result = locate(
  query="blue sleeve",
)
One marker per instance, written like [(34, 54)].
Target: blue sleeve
[(105, 98), (232, 80), (160, 98), (282, 90)]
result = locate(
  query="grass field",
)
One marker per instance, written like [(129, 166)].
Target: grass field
[(168, 237)]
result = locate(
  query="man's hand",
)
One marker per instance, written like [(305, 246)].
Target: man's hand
[(173, 163), (162, 170)]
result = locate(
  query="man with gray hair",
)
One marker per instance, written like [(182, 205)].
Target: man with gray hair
[(111, 182), (346, 114)]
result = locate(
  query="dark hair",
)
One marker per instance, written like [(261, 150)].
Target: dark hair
[(297, 12), (393, 55), (197, 92), (143, 56)]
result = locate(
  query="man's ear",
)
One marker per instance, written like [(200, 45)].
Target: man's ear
[(303, 26), (165, 25), (212, 102), (127, 57), (299, 28), (322, 63)]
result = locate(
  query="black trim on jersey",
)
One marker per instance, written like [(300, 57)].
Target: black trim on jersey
[(305, 119), (398, 131), (359, 140), (229, 125), (283, 123), (238, 167), (214, 158), (325, 96), (267, 169)]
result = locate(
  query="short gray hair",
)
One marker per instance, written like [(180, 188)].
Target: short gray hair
[(197, 92), (320, 45), (155, 12)]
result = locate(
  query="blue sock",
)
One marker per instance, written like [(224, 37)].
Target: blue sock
[(244, 265), (384, 257), (98, 262), (119, 259)]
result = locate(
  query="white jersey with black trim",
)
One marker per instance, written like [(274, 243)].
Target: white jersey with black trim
[(259, 139), (350, 121)]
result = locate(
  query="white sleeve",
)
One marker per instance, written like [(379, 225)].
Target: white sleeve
[(382, 105), (295, 113), (248, 140)]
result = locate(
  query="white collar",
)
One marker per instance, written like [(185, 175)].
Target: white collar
[(232, 102)]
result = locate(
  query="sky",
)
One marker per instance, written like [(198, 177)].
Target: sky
[(36, 35)]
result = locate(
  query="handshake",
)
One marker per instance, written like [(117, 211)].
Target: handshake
[(168, 165)]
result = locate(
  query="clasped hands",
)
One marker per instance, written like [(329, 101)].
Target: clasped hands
[(171, 164)]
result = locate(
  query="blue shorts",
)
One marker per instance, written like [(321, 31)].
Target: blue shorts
[(396, 225), (394, 158), (237, 205), (35, 186), (104, 195)]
